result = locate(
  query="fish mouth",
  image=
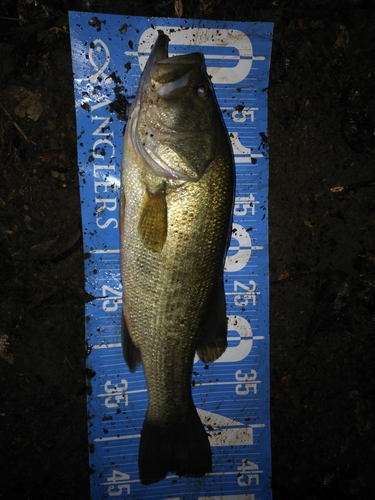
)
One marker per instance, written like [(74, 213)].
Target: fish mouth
[(158, 53), (159, 59)]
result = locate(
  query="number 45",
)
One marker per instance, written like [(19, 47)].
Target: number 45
[(119, 484), (249, 471)]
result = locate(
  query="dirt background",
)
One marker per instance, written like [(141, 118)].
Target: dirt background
[(322, 248)]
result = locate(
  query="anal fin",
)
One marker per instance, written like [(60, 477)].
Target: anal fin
[(132, 354)]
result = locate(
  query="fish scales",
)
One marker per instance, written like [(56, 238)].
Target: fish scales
[(175, 221)]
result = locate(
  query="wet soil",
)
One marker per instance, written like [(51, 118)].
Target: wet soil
[(322, 247)]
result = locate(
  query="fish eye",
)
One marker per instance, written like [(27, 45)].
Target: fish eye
[(202, 91)]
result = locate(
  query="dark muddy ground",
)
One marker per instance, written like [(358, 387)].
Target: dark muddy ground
[(322, 248)]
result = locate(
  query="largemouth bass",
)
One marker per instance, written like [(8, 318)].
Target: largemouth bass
[(176, 200)]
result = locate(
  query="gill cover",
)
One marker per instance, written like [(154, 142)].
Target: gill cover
[(172, 120)]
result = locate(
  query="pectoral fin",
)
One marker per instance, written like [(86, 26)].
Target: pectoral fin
[(212, 341), (152, 226)]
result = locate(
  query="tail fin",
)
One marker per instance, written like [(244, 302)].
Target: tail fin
[(175, 447)]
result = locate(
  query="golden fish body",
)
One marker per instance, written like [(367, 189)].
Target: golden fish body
[(176, 201)]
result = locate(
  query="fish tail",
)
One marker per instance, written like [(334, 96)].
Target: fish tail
[(181, 448)]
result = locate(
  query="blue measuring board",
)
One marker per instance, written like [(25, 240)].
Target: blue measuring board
[(232, 394)]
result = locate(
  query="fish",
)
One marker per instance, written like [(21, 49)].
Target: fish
[(177, 191)]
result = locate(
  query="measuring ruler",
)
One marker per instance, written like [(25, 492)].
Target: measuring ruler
[(232, 394)]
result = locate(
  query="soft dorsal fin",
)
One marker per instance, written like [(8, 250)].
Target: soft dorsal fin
[(212, 340)]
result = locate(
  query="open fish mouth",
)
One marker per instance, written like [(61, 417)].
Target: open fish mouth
[(159, 57), (159, 53)]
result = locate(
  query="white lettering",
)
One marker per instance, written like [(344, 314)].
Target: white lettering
[(94, 107), (244, 203), (105, 204), (103, 167), (104, 185), (101, 130), (99, 143), (107, 223), (245, 112)]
